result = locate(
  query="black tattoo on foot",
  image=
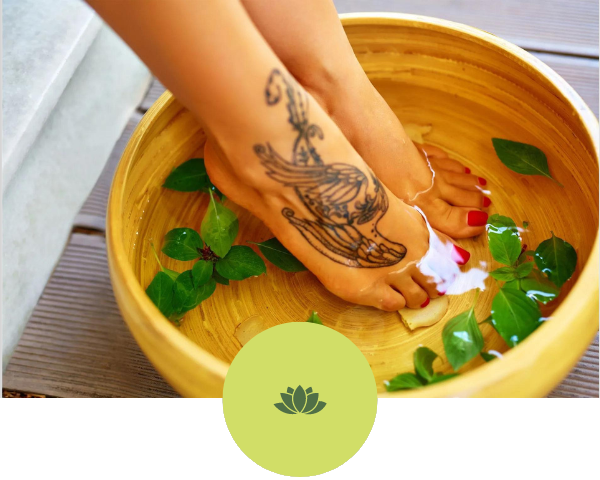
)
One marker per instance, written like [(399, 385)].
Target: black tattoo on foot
[(342, 200)]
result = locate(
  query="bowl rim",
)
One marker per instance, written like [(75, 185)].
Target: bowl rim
[(577, 314)]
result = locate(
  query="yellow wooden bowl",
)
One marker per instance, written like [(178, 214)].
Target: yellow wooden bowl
[(469, 86)]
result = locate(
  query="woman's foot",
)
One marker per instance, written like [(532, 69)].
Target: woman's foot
[(309, 39), (306, 182), (422, 175)]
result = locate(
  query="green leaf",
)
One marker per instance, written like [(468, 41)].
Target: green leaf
[(504, 274), (219, 279), (314, 318), (240, 263), (182, 244), (283, 408), (171, 273), (320, 406), (525, 224), (438, 377), (503, 239), (299, 398), (202, 272), (187, 296), (538, 287), (311, 401), (190, 176), (280, 256), (462, 338), (219, 227), (404, 381), (160, 292), (557, 259), (524, 269), (423, 360), (514, 315), (488, 357), (522, 158)]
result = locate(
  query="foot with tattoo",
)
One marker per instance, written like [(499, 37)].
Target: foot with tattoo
[(308, 38), (307, 183)]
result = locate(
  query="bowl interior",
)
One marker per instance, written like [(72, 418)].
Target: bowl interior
[(468, 91)]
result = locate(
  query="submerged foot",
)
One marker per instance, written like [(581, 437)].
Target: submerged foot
[(305, 181), (452, 199)]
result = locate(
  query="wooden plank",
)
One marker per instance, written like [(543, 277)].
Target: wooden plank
[(76, 344), (555, 26), (584, 378), (156, 90)]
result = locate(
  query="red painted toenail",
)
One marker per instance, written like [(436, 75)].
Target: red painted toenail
[(482, 181), (441, 294), (425, 303), (467, 170), (486, 202), (477, 219), (460, 255)]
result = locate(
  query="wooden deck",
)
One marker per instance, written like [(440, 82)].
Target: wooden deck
[(76, 343)]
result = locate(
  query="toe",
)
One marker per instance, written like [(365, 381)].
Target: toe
[(391, 300), (432, 151), (412, 292), (458, 222), (447, 165), (460, 197), (464, 180), (427, 284)]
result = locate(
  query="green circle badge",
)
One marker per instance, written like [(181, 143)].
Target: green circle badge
[(300, 399)]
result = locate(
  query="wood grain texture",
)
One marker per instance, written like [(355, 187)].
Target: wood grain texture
[(76, 343), (471, 87), (559, 26)]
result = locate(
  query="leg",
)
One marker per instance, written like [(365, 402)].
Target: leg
[(309, 39), (273, 150)]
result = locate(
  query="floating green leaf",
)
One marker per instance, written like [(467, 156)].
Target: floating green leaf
[(160, 292), (219, 227), (503, 239), (314, 318), (171, 273), (190, 176), (202, 272), (182, 244), (462, 338), (504, 274), (187, 296), (240, 263), (423, 361), (514, 315), (522, 158), (557, 259), (488, 357), (524, 269), (280, 256), (537, 287), (438, 377), (219, 279), (404, 381)]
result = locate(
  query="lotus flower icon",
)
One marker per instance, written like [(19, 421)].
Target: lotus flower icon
[(300, 401)]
